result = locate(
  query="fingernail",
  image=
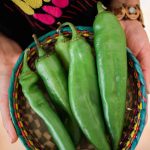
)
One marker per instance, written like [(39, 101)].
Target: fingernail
[(10, 136), (148, 88), (10, 139)]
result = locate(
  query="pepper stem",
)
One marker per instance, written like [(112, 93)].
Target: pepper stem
[(75, 34), (100, 7), (41, 52), (61, 37), (25, 67), (59, 28)]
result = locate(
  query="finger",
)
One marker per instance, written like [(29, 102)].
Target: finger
[(138, 42), (136, 36), (144, 59), (4, 106), (147, 116), (7, 121)]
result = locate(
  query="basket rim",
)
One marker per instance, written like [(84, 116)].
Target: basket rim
[(51, 33), (144, 99)]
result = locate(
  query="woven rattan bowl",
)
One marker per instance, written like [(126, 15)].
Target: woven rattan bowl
[(32, 130)]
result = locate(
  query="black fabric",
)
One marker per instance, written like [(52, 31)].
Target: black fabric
[(16, 25)]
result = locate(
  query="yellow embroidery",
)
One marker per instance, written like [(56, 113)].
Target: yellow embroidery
[(29, 7), (24, 7), (34, 3), (140, 106), (46, 0)]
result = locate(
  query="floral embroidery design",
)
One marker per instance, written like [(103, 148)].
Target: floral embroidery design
[(51, 11)]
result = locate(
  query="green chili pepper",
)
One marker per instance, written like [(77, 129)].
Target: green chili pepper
[(61, 47), (83, 90), (29, 81), (110, 46), (53, 75)]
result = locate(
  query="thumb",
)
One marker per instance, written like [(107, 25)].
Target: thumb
[(137, 41), (7, 122), (4, 108), (144, 59)]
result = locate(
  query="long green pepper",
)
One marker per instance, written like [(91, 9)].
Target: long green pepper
[(53, 75), (61, 47), (83, 90), (29, 82), (110, 46)]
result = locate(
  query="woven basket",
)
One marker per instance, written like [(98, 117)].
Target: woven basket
[(32, 130)]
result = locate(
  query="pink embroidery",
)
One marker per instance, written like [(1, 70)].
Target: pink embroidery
[(52, 10), (45, 18), (61, 3)]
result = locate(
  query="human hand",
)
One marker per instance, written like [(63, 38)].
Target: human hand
[(137, 41), (9, 52)]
